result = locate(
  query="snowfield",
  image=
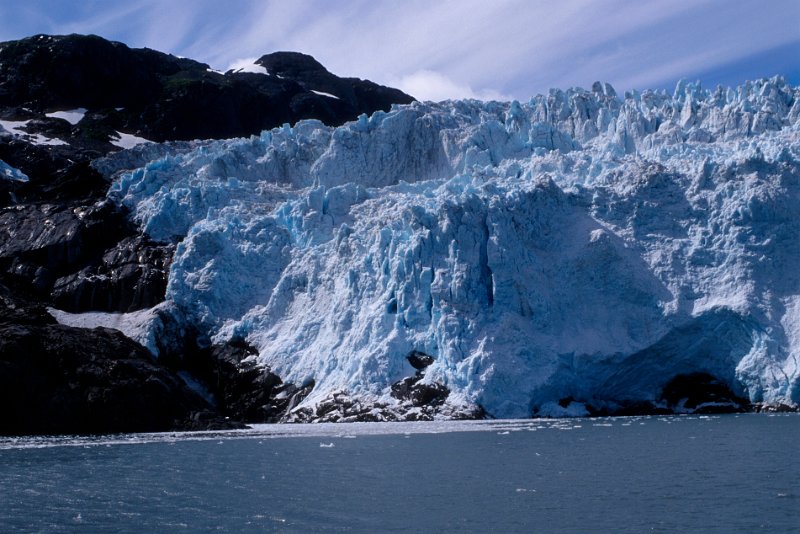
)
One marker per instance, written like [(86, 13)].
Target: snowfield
[(578, 245)]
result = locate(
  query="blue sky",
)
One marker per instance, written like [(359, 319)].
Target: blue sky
[(455, 48)]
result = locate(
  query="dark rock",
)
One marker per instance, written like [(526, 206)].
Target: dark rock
[(419, 360), (131, 275), (429, 394), (702, 393), (401, 389), (353, 96), (77, 182), (342, 408), (57, 173), (210, 420), (18, 307), (566, 401), (41, 242), (412, 389), (42, 72), (418, 393), (57, 379), (474, 413), (162, 97), (83, 258), (421, 402), (57, 236), (243, 390)]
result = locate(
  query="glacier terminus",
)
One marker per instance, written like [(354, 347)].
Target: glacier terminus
[(577, 253)]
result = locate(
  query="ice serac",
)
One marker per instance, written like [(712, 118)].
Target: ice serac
[(576, 253), (7, 172)]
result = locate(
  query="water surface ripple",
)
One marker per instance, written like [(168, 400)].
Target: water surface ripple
[(735, 473)]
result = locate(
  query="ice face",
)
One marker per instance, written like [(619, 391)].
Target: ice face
[(7, 172), (577, 245)]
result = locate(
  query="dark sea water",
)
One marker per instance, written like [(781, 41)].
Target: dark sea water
[(650, 474)]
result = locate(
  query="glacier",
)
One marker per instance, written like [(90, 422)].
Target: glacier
[(7, 172), (580, 246)]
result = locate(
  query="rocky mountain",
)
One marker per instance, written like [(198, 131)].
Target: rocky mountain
[(66, 101), (161, 97)]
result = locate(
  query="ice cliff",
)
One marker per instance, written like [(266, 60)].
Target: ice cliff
[(578, 246)]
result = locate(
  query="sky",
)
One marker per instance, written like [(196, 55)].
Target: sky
[(435, 50)]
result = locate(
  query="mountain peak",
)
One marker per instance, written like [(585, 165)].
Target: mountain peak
[(291, 64), (161, 97)]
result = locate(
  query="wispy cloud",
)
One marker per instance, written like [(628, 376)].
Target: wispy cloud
[(448, 48), (435, 86)]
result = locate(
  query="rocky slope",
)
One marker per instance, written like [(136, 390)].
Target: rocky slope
[(64, 102)]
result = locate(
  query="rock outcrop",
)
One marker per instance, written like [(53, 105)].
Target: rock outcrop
[(58, 379)]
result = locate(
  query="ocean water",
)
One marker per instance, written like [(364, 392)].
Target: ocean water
[(732, 473)]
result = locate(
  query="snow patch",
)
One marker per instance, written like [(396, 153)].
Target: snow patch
[(138, 326), (17, 129), (72, 116), (248, 65), (321, 93), (124, 140)]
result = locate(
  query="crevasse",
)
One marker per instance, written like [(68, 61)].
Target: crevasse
[(578, 245)]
